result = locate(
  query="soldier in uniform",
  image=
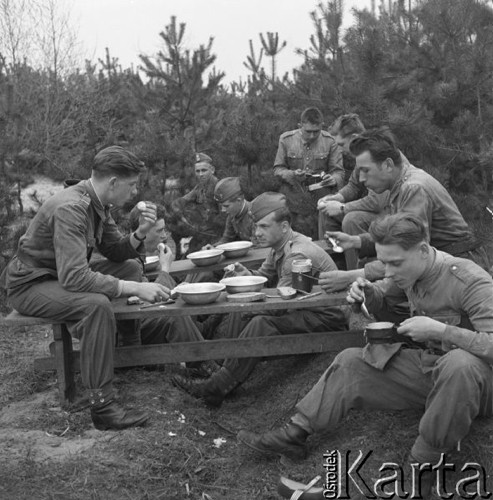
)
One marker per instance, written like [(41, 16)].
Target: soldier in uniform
[(308, 156), (445, 370), (197, 210), (382, 167), (272, 229), (52, 277), (239, 223)]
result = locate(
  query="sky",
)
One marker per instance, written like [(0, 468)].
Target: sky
[(131, 27)]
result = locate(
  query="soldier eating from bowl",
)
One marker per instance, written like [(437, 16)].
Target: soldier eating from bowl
[(448, 376), (272, 229)]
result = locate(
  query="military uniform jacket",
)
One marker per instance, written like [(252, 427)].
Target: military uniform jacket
[(240, 227), (322, 155), (201, 194), (60, 240), (277, 266), (419, 193), (454, 291)]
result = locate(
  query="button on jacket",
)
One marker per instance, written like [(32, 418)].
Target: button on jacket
[(322, 155)]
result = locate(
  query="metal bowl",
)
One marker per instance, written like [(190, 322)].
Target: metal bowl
[(240, 284), (235, 248), (206, 257), (199, 293), (152, 263)]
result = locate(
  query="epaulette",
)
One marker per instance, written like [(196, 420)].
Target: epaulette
[(289, 133)]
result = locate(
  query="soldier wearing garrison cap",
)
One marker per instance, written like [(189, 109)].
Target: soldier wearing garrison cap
[(272, 229), (239, 224), (198, 209)]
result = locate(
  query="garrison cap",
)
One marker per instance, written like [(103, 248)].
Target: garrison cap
[(203, 158), (266, 203), (227, 188)]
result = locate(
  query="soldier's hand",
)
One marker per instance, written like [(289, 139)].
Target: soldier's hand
[(358, 289), (166, 257), (346, 241), (300, 174), (151, 292), (331, 208), (422, 328), (236, 269), (328, 180), (207, 247), (148, 216), (336, 281)]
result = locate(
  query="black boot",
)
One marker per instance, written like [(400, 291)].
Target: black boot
[(107, 414), (202, 369), (212, 390), (288, 440)]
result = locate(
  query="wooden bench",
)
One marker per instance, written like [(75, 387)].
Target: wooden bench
[(65, 361)]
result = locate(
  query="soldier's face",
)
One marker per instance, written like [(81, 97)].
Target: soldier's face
[(203, 171), (310, 132), (269, 232), (121, 190), (376, 176), (343, 142), (232, 207), (404, 267), (156, 235)]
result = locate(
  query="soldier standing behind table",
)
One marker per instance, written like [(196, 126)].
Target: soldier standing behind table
[(309, 163)]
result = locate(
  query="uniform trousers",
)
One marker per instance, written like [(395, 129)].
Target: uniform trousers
[(89, 317), (452, 389), (298, 321)]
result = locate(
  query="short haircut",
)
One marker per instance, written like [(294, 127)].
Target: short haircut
[(345, 125), (379, 142), (114, 160), (282, 214), (133, 216), (403, 229), (312, 115)]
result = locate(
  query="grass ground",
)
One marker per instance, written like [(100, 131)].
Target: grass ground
[(187, 451)]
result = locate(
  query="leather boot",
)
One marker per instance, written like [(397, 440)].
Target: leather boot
[(107, 414), (202, 369), (212, 390), (288, 440)]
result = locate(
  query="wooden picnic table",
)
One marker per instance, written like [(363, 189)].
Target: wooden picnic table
[(66, 361)]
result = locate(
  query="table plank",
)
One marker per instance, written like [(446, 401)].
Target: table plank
[(222, 306)]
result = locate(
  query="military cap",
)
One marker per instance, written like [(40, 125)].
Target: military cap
[(266, 203), (202, 158), (227, 188)]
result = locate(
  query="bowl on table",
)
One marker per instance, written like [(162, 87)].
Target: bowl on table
[(206, 257), (152, 263), (199, 293), (235, 249), (241, 284)]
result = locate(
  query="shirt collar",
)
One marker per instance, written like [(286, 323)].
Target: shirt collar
[(102, 210), (430, 274)]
